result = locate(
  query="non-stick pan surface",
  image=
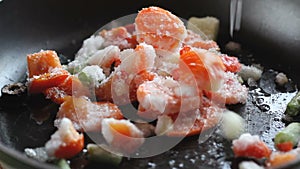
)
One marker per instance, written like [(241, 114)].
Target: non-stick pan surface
[(270, 30)]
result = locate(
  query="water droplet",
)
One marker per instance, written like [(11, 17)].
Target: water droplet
[(181, 165), (171, 162), (192, 160), (151, 165)]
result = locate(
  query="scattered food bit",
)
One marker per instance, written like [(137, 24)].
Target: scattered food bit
[(164, 124), (91, 75), (280, 158), (250, 146), (63, 164), (86, 115), (146, 128), (288, 138), (38, 153), (99, 155), (209, 26), (249, 165), (233, 125), (66, 142), (247, 72), (14, 89), (233, 47), (118, 132), (281, 79), (293, 107)]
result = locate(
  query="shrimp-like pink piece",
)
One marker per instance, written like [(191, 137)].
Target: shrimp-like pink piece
[(105, 58), (159, 28), (195, 40), (166, 96), (119, 37), (231, 92), (135, 67)]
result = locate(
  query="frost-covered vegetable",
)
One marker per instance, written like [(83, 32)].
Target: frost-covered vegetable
[(280, 158), (233, 125), (252, 72), (250, 146), (281, 79), (209, 26), (289, 137), (293, 107), (66, 142), (63, 164), (99, 155), (91, 75)]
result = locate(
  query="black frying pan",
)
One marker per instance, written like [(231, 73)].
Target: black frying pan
[(270, 29)]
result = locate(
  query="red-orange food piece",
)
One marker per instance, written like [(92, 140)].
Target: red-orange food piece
[(42, 62), (160, 28), (70, 148), (72, 86), (232, 64), (87, 115), (39, 84), (285, 147), (209, 117), (278, 159), (250, 146)]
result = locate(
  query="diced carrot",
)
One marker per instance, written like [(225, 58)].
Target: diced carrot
[(70, 148), (39, 84), (250, 146), (42, 62), (72, 86), (66, 142), (285, 147), (278, 159), (56, 95)]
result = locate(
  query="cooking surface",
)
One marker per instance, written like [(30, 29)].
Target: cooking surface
[(62, 25), (263, 113)]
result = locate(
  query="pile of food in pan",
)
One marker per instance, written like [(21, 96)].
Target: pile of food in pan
[(178, 81)]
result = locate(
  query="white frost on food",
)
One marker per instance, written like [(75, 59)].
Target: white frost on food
[(38, 153), (164, 124), (166, 62), (89, 47), (105, 58), (247, 72), (142, 58), (95, 73), (232, 91), (245, 140), (249, 165), (116, 139), (281, 79), (65, 132)]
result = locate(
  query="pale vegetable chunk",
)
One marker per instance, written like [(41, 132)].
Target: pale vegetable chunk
[(207, 25), (233, 125)]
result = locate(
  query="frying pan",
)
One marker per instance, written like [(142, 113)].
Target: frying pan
[(269, 29)]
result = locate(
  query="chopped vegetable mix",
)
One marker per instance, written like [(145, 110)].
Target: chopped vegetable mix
[(177, 79)]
